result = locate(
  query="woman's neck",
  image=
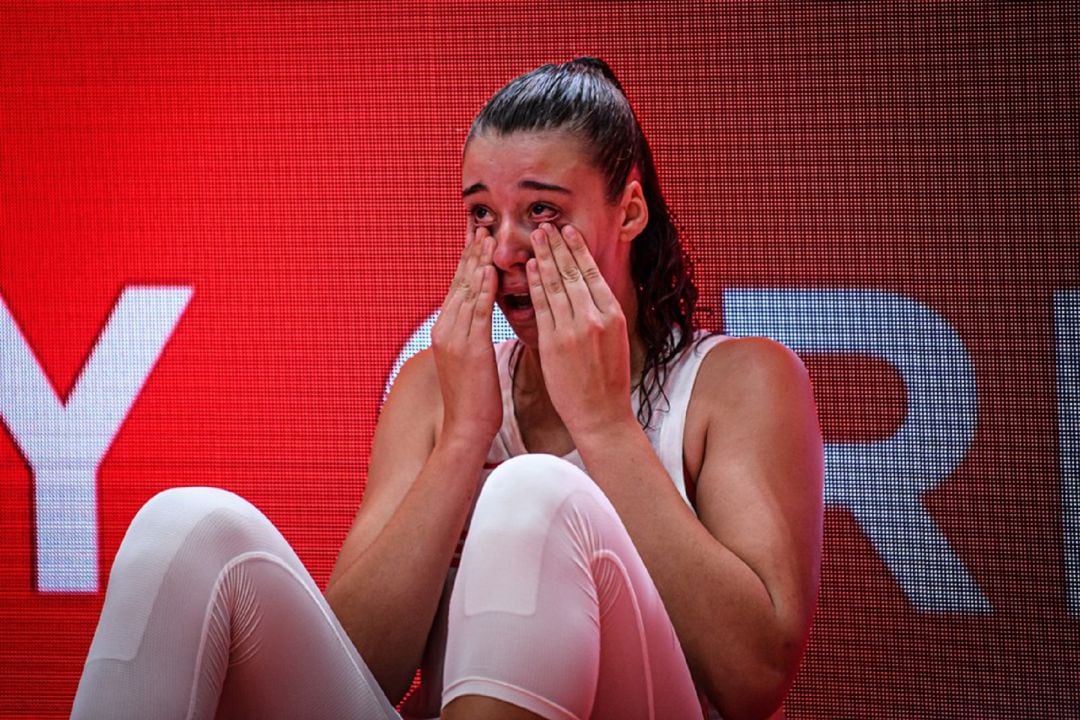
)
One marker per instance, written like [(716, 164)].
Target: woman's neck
[(528, 377)]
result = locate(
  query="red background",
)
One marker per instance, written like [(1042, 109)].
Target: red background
[(297, 165)]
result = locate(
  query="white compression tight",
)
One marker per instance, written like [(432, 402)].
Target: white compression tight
[(209, 612)]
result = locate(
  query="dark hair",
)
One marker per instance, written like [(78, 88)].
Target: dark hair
[(585, 98)]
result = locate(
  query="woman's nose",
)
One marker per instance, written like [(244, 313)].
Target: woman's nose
[(512, 246)]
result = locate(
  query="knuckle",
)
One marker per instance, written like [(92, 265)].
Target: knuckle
[(592, 273), (571, 274), (554, 286)]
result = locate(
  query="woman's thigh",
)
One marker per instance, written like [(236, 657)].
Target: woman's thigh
[(209, 608)]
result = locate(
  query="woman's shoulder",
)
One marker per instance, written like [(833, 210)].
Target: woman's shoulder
[(752, 399), (734, 367), (416, 386), (418, 369)]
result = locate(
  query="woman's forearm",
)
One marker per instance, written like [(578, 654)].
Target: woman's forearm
[(387, 597), (731, 631)]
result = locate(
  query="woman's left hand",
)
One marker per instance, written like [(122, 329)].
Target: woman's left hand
[(584, 350)]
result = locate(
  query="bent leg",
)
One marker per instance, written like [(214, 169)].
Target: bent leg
[(210, 612), (553, 610)]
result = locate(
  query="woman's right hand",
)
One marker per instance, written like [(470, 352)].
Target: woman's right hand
[(462, 347)]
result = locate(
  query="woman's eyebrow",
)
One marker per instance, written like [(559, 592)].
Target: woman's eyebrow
[(537, 185), (524, 184)]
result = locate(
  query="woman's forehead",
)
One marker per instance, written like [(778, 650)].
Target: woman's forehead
[(506, 159)]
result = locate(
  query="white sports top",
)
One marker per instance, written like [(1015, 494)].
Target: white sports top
[(665, 433)]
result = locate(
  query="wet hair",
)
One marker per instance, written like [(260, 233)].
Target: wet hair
[(583, 97)]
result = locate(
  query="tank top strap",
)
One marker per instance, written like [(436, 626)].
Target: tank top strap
[(507, 443), (670, 419)]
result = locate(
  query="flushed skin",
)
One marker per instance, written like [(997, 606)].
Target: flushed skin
[(739, 580)]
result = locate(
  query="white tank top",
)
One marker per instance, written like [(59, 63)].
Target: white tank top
[(665, 430)]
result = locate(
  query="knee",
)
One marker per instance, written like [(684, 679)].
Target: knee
[(530, 490), (536, 476), (534, 512), (533, 481), (186, 501), (189, 500), (182, 507), (210, 517)]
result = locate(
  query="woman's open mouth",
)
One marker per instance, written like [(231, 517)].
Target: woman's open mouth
[(517, 301)]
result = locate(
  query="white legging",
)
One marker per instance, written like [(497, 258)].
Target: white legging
[(210, 612)]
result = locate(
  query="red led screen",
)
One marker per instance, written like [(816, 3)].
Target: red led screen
[(220, 226)]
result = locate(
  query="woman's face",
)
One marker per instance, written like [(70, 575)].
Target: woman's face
[(513, 183)]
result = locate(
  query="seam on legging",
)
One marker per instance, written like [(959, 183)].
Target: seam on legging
[(514, 689), (605, 554), (274, 560)]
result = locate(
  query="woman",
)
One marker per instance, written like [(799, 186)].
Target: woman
[(642, 504)]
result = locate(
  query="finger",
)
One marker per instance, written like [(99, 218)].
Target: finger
[(545, 323), (577, 292), (484, 305), (463, 285), (474, 287), (487, 247), (469, 258), (471, 254), (554, 290), (472, 283), (459, 271), (593, 279)]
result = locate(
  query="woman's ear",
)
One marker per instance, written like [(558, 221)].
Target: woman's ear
[(635, 211)]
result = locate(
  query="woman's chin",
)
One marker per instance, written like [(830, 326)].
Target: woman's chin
[(523, 322), (527, 334)]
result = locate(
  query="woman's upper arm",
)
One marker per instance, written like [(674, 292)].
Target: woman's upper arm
[(760, 485), (404, 437)]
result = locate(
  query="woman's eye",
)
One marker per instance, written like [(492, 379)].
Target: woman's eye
[(480, 214), (542, 212)]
